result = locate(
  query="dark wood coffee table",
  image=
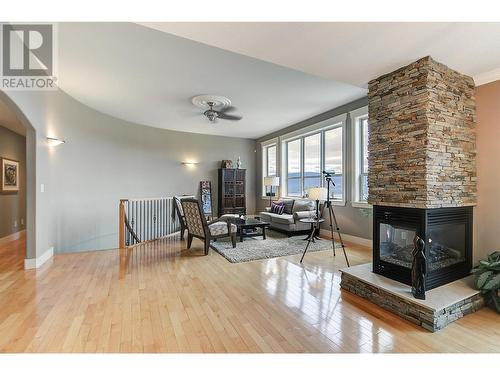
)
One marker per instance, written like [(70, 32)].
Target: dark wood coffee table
[(249, 227)]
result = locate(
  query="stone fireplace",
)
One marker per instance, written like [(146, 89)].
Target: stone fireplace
[(422, 181), (422, 176)]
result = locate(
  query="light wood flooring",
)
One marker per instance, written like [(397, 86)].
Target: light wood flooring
[(160, 297)]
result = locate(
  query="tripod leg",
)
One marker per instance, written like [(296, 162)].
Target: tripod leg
[(308, 243), (331, 228), (340, 236)]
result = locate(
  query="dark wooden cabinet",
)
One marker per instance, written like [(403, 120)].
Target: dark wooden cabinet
[(232, 187)]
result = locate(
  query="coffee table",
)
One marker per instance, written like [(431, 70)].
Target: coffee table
[(248, 227)]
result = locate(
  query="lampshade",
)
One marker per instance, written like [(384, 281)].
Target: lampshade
[(317, 193), (271, 181)]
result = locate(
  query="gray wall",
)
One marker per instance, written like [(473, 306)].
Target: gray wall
[(13, 205), (352, 221), (105, 159)]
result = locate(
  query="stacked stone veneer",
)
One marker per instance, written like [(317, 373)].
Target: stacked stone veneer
[(422, 137), (432, 320)]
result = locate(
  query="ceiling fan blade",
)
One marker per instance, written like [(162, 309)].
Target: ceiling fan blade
[(229, 117), (227, 109)]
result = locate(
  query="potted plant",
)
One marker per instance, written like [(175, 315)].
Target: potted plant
[(487, 279)]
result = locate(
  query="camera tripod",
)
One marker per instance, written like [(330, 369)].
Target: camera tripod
[(332, 217)]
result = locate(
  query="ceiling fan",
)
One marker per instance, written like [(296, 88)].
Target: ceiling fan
[(213, 115), (223, 105)]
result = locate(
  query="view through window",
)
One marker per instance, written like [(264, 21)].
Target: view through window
[(309, 155)]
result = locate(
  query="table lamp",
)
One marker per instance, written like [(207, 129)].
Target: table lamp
[(317, 194), (271, 181)]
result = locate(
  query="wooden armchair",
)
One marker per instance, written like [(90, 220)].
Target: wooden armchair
[(198, 226)]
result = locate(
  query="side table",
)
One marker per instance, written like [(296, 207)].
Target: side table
[(311, 238)]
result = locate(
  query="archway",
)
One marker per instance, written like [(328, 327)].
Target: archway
[(30, 175)]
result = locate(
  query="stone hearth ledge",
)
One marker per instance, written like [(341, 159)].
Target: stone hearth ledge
[(442, 306)]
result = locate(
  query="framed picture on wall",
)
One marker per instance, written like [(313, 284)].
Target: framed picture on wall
[(10, 176)]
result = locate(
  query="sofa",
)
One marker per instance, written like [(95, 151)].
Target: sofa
[(289, 221)]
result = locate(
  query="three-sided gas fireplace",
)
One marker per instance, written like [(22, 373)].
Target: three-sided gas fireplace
[(447, 233)]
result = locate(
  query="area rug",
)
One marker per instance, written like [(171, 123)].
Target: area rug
[(275, 245)]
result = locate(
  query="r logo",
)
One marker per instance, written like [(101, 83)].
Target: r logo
[(27, 50)]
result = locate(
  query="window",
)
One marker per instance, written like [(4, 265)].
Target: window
[(312, 161), (308, 152), (269, 165), (363, 137), (360, 135), (294, 177), (334, 160), (271, 161), (299, 157)]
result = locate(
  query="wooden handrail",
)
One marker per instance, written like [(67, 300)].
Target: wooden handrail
[(121, 220)]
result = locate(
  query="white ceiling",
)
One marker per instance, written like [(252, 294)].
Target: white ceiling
[(145, 76), (355, 52), (276, 74), (10, 121)]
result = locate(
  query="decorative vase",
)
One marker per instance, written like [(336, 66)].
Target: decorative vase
[(238, 163)]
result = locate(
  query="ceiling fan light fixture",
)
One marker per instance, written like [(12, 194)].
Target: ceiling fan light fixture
[(211, 115)]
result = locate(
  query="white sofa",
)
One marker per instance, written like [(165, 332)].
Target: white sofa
[(288, 222)]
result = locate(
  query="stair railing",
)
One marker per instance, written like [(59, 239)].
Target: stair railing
[(146, 219)]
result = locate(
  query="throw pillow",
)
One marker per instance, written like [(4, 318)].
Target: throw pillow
[(288, 205), (277, 208), (304, 205)]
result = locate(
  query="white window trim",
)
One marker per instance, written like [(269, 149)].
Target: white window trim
[(356, 157), (334, 122), (264, 145)]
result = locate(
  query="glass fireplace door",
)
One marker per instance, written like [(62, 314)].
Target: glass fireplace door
[(446, 245), (396, 244)]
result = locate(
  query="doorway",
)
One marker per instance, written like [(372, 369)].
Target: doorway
[(17, 187), (12, 190)]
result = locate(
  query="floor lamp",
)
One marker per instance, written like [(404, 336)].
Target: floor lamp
[(271, 181)]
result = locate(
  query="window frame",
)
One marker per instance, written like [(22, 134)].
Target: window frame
[(265, 166), (318, 128), (301, 165), (357, 116), (275, 160), (344, 162)]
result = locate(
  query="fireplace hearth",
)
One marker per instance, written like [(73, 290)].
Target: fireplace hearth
[(448, 242)]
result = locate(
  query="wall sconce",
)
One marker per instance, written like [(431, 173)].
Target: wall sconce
[(190, 164), (54, 141)]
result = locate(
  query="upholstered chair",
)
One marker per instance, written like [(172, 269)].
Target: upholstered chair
[(198, 226), (180, 214)]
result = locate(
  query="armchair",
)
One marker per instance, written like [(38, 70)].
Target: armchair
[(198, 226), (180, 212)]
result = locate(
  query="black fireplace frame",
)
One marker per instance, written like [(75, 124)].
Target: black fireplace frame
[(422, 219)]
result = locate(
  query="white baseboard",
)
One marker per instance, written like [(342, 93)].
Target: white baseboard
[(38, 262), (12, 237), (349, 238)]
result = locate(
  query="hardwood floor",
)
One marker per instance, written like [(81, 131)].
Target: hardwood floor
[(160, 297)]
